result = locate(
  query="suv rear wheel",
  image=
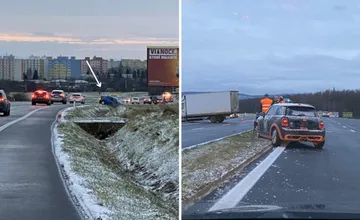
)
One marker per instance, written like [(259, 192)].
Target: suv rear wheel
[(275, 139)]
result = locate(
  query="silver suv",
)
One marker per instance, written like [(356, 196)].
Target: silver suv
[(58, 96)]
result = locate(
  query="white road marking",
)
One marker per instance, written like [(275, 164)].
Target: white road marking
[(236, 194), (217, 139), (339, 123), (352, 127), (344, 126), (19, 119), (352, 130), (195, 129)]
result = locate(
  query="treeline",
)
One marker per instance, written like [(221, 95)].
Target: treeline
[(329, 100)]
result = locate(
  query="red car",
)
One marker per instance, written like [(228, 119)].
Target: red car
[(41, 96)]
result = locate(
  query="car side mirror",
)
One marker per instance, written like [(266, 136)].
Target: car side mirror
[(262, 114)]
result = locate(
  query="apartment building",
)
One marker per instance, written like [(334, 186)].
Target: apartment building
[(18, 73), (7, 65), (64, 68), (59, 68), (134, 63), (40, 64), (98, 64), (113, 64)]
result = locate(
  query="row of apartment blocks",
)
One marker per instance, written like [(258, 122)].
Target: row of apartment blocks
[(61, 67)]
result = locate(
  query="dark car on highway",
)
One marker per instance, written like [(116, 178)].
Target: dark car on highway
[(42, 97), (4, 103), (291, 122)]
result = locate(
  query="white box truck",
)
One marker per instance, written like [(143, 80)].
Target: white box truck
[(214, 106)]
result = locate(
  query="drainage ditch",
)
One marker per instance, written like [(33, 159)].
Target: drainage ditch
[(101, 129)]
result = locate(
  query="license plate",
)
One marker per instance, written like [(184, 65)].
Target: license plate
[(40, 98), (303, 128)]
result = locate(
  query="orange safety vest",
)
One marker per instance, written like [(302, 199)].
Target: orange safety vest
[(265, 104)]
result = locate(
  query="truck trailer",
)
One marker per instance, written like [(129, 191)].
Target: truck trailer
[(215, 106)]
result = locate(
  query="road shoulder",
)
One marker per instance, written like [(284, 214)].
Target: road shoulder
[(207, 167)]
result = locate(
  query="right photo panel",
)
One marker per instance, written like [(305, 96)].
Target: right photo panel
[(270, 113)]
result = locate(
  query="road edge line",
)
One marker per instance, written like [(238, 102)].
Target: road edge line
[(214, 140), (248, 181), (3, 127), (217, 183), (83, 213)]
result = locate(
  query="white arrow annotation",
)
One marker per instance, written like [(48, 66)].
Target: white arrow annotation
[(97, 81)]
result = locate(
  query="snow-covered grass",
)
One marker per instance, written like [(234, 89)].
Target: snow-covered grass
[(131, 175), (205, 165)]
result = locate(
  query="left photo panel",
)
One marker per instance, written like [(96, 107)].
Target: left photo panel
[(89, 110)]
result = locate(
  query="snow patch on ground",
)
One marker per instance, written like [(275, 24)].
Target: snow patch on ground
[(132, 175), (75, 183), (206, 164)]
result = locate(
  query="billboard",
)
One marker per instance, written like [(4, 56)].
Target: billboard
[(162, 66)]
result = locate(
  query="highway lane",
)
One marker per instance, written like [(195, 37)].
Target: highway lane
[(202, 131), (300, 175), (30, 184)]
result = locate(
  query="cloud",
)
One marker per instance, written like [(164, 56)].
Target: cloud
[(94, 26), (69, 40)]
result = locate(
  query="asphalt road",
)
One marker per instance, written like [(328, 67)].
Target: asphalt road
[(298, 174), (30, 184), (202, 131)]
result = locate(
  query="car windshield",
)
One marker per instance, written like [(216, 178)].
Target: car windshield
[(301, 111), (76, 95), (57, 92)]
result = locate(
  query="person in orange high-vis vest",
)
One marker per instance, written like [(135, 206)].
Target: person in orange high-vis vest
[(265, 103)]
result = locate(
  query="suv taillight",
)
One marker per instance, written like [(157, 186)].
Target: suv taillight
[(284, 122), (321, 124), (2, 99)]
